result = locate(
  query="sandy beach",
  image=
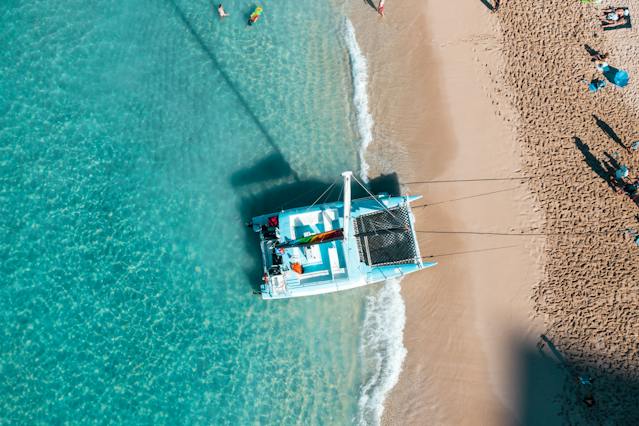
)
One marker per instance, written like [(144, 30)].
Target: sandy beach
[(491, 121)]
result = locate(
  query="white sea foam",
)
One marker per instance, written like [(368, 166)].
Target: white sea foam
[(382, 350), (359, 73)]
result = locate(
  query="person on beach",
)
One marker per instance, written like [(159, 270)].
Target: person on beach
[(624, 185), (632, 190), (619, 24), (221, 11), (380, 8), (595, 84), (622, 173), (614, 17), (601, 65), (584, 379), (589, 400), (596, 56)]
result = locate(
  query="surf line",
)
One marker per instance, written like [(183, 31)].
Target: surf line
[(359, 75), (382, 351), (382, 335)]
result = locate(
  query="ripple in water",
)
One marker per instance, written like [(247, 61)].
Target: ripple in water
[(126, 271)]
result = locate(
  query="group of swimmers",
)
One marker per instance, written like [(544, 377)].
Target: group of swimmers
[(254, 16), (258, 11)]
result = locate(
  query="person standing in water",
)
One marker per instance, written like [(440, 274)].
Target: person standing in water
[(221, 11), (380, 8)]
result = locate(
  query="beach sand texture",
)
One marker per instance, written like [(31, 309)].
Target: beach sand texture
[(496, 95), (432, 93), (589, 295)]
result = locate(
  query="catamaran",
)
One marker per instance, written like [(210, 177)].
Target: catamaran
[(339, 245)]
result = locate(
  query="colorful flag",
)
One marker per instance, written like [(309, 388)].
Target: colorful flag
[(322, 237)]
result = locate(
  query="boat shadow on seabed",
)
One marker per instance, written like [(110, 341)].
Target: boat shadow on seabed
[(287, 191)]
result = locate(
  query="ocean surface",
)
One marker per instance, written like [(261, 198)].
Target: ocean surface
[(136, 138)]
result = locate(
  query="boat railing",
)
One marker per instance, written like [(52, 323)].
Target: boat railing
[(381, 271)]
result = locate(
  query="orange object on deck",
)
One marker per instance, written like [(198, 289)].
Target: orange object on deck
[(297, 267)]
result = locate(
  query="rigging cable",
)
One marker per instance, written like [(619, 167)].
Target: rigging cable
[(376, 199), (321, 195)]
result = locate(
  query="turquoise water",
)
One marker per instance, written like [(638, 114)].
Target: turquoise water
[(135, 139)]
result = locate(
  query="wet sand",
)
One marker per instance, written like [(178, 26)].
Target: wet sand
[(492, 96)]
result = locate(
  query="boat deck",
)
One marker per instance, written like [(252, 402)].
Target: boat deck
[(381, 245), (385, 237), (319, 262)]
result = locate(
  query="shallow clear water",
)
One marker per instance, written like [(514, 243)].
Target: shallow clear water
[(135, 139)]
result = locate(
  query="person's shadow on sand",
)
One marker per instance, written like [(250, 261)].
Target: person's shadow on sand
[(609, 131), (602, 170), (371, 4)]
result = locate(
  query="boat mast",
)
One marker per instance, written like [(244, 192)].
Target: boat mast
[(347, 205)]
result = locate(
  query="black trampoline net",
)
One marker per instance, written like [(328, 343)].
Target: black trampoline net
[(385, 237)]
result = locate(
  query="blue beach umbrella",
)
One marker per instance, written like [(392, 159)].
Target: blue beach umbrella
[(616, 76), (621, 78)]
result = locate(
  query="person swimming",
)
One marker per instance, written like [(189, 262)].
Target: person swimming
[(255, 15), (221, 11)]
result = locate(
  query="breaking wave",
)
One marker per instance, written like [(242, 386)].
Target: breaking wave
[(359, 73), (382, 350)]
